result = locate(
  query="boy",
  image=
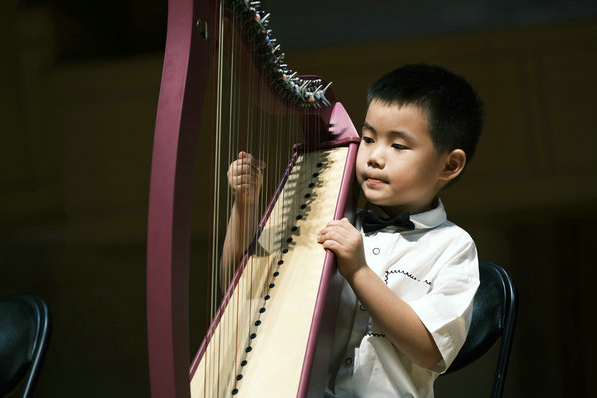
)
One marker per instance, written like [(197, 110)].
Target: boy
[(407, 299)]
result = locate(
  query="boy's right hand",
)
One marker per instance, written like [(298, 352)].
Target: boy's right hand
[(341, 237), (245, 178)]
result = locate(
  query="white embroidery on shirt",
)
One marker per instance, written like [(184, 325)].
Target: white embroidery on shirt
[(375, 334), (399, 271)]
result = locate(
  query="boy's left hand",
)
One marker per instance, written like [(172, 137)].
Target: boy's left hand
[(341, 237)]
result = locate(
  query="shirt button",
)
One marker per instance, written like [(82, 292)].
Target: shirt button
[(362, 307), (376, 251), (347, 361)]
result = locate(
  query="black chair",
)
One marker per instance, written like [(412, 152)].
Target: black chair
[(495, 309), (25, 327)]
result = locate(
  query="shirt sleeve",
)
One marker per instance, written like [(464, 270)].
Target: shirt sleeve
[(446, 310)]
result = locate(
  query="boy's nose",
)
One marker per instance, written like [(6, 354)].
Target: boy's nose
[(376, 160)]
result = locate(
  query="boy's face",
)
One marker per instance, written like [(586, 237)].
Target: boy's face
[(397, 166)]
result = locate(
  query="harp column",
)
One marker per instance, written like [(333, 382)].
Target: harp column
[(184, 78)]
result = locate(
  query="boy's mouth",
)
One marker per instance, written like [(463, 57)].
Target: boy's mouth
[(371, 180)]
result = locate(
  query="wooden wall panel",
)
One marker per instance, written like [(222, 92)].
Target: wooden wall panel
[(104, 115)]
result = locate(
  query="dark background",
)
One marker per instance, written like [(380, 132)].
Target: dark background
[(79, 83)]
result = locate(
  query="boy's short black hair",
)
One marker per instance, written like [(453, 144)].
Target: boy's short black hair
[(454, 110)]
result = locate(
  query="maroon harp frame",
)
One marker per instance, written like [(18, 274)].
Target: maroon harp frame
[(189, 52), (184, 79)]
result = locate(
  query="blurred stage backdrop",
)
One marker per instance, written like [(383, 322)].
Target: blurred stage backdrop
[(79, 83)]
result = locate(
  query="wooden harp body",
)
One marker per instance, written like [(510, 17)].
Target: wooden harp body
[(271, 334)]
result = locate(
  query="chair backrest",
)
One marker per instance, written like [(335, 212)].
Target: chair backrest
[(25, 327), (495, 309)]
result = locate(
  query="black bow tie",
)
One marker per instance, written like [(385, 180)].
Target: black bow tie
[(372, 222)]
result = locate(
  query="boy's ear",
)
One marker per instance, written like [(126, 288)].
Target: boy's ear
[(454, 164)]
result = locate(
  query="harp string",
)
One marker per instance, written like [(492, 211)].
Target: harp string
[(216, 152)]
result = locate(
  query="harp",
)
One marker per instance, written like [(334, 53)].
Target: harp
[(271, 330)]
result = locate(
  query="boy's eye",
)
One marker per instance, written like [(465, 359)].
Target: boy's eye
[(399, 146), (368, 140)]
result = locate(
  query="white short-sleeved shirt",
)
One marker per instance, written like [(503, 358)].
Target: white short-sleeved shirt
[(434, 268)]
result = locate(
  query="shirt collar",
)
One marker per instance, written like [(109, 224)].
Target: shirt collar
[(430, 218)]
